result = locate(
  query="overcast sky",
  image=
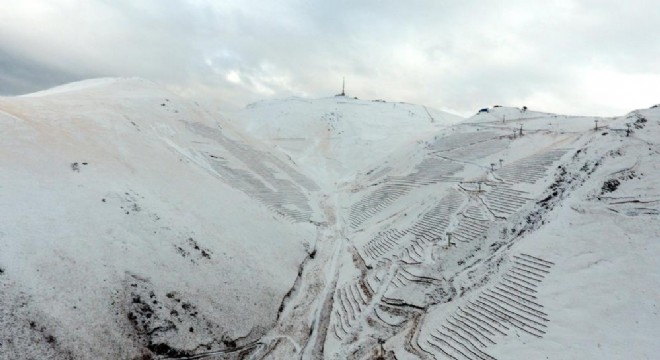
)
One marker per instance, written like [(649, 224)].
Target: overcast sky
[(599, 57)]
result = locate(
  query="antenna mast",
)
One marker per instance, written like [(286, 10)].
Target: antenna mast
[(343, 86)]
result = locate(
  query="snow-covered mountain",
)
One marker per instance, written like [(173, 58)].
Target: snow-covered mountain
[(136, 224), (333, 137), (132, 220)]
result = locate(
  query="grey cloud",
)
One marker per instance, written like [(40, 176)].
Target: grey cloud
[(448, 54), (20, 76)]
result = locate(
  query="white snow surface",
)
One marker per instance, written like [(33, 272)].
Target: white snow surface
[(107, 188), (136, 225), (332, 138)]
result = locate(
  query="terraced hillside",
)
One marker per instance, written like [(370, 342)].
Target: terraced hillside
[(137, 225), (468, 245)]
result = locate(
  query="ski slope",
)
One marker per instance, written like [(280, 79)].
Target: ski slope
[(136, 224)]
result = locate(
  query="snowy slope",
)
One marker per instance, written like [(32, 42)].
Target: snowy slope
[(538, 266), (137, 225), (122, 227), (333, 137), (602, 234)]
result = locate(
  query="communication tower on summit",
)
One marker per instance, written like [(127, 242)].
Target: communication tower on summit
[(343, 86)]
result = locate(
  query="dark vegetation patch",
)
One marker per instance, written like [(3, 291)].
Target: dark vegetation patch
[(610, 186), (166, 350), (638, 121), (75, 166), (129, 203), (230, 344), (165, 322), (191, 250), (205, 253), (614, 183)]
